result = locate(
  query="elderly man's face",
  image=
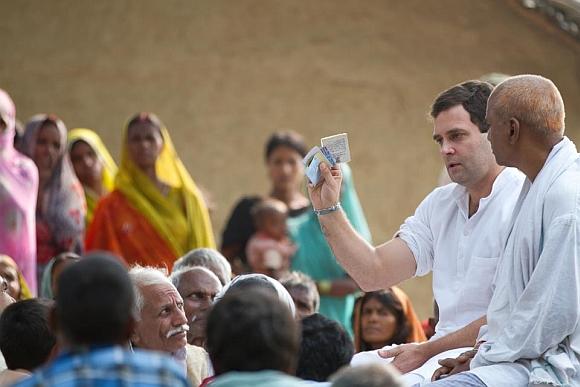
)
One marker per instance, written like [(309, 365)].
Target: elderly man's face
[(162, 326), (465, 151), (198, 290), (498, 133)]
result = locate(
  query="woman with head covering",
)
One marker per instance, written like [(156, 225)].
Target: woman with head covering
[(156, 212), (60, 206), (17, 287), (93, 165), (18, 190), (52, 272), (385, 317)]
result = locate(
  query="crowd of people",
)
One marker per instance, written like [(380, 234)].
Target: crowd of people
[(111, 275)]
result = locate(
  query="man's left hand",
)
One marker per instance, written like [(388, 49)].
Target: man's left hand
[(454, 366), (407, 357)]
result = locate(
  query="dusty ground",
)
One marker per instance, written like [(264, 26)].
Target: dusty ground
[(225, 74)]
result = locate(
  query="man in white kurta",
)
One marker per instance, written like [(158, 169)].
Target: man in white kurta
[(457, 232), (532, 336)]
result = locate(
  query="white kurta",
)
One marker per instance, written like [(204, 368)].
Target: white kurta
[(532, 333), (461, 251)]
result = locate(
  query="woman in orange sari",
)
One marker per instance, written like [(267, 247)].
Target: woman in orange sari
[(156, 212)]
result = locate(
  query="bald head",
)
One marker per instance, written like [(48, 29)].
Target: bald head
[(534, 101)]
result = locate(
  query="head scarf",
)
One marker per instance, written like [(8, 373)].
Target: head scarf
[(416, 333), (25, 293), (281, 291), (46, 282), (63, 199), (18, 190), (182, 232), (109, 166)]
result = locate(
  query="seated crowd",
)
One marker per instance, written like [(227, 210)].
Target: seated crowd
[(111, 275)]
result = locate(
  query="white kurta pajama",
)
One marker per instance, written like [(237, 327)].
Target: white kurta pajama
[(461, 251), (532, 334)]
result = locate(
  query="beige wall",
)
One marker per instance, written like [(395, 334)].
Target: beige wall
[(225, 74)]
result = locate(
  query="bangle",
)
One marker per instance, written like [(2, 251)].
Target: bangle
[(328, 210), (324, 286)]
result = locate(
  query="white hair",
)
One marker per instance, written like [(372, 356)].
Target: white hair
[(175, 276), (142, 276), (209, 258), (281, 291)]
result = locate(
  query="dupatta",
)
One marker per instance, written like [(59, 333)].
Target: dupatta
[(109, 165), (182, 231), (63, 200)]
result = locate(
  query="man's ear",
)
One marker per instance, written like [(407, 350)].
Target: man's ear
[(132, 333), (514, 131)]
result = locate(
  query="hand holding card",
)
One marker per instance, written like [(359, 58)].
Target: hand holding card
[(334, 149), (312, 161)]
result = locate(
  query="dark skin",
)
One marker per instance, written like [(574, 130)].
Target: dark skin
[(87, 166), (454, 366), (45, 156), (144, 145)]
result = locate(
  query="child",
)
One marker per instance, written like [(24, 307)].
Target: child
[(269, 249)]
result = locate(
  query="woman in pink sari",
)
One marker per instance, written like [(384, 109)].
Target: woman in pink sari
[(18, 189), (60, 207)]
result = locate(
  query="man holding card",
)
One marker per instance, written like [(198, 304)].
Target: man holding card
[(457, 231)]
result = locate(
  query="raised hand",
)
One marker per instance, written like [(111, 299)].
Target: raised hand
[(327, 192)]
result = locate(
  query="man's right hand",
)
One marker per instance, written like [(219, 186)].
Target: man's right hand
[(327, 192), (454, 366), (406, 357)]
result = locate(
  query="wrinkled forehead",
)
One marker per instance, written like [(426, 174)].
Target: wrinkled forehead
[(302, 293), (160, 294), (198, 280)]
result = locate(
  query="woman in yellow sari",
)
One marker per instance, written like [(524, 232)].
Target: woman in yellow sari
[(93, 165), (156, 212)]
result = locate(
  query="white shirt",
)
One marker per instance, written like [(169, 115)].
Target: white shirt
[(461, 251)]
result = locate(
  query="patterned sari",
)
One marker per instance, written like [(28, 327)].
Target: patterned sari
[(18, 189), (141, 225), (60, 221)]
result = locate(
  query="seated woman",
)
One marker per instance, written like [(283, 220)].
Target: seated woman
[(283, 155), (155, 213), (17, 287), (93, 165), (385, 317), (60, 206), (18, 190)]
